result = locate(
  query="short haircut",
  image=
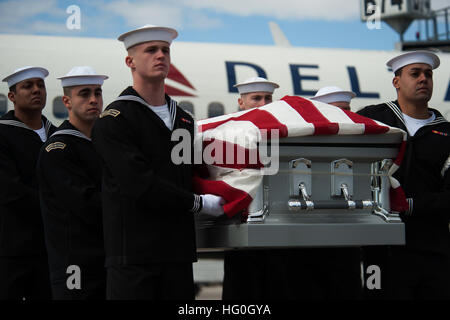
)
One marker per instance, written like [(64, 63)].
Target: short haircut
[(13, 88), (67, 91), (131, 50), (398, 73)]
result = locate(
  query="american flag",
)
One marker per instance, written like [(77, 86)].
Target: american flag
[(237, 181)]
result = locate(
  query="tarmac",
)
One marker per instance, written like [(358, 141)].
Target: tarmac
[(210, 292), (208, 276)]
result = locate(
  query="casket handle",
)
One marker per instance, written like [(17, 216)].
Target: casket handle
[(297, 204)]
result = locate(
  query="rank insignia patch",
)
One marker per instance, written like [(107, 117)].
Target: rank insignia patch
[(55, 145), (110, 112)]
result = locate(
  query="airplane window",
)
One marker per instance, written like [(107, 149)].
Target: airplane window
[(187, 105), (215, 109), (3, 104), (59, 109)]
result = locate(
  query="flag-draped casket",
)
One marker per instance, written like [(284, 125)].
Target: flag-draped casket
[(263, 154), (240, 133)]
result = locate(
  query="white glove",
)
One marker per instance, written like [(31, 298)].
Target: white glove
[(212, 205)]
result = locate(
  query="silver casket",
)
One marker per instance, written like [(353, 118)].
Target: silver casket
[(329, 191)]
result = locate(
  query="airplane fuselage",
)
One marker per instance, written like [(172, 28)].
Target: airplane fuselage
[(203, 74)]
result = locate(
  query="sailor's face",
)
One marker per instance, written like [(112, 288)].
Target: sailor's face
[(30, 94), (341, 104), (254, 99), (415, 82), (151, 59), (85, 102)]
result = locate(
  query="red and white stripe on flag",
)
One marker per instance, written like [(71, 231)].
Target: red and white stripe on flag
[(240, 133)]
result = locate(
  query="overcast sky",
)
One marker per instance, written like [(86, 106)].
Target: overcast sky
[(317, 23)]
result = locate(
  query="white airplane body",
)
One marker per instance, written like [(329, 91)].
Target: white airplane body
[(204, 73)]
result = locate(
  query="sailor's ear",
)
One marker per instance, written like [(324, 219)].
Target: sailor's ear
[(241, 104), (67, 101), (12, 96), (129, 61), (396, 82)]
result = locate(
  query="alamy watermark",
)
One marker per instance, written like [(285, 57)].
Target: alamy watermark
[(373, 280), (74, 279), (73, 22), (230, 149), (374, 17)]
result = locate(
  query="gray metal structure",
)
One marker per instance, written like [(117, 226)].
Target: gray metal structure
[(400, 14)]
